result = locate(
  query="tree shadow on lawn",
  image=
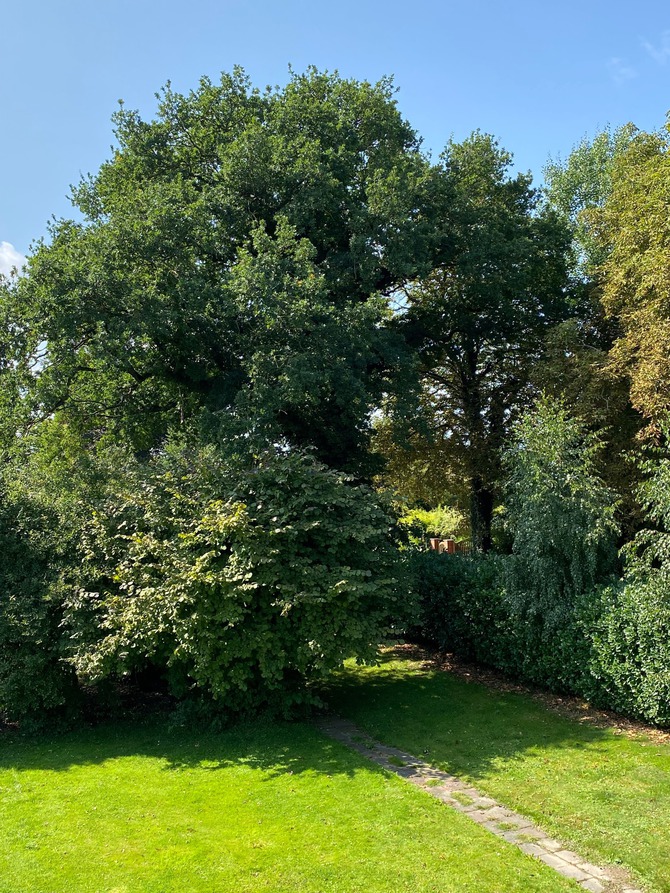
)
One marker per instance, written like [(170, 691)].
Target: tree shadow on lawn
[(275, 748), (463, 725)]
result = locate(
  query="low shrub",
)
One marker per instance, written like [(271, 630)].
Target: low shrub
[(553, 613), (628, 631), (613, 650), (462, 606)]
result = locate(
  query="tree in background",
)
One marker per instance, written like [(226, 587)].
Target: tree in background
[(479, 319), (633, 230), (577, 364), (417, 464), (582, 184)]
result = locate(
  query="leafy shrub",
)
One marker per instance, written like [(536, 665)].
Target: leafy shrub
[(463, 607), (561, 517), (244, 578), (629, 662), (551, 613), (560, 513), (630, 633), (36, 683), (441, 521)]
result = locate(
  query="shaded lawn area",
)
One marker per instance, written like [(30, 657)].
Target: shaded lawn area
[(277, 807), (606, 794)]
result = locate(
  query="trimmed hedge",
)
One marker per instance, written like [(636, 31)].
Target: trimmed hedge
[(612, 647)]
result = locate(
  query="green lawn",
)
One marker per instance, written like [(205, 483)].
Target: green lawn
[(604, 793), (136, 807)]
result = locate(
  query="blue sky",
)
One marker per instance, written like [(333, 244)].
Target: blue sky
[(539, 76)]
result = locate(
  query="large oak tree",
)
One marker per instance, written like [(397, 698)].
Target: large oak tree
[(235, 255)]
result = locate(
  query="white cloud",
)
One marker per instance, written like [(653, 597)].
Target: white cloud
[(620, 70), (10, 258), (661, 53)]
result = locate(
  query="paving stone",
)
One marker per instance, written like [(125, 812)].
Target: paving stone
[(532, 849), (405, 771), (504, 815), (485, 802), (481, 816), (463, 807), (592, 885), (569, 856), (473, 793), (511, 836), (550, 844), (567, 869), (452, 783), (537, 834), (595, 870), (445, 796), (495, 828)]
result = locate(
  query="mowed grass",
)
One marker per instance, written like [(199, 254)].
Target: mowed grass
[(604, 793), (262, 807)]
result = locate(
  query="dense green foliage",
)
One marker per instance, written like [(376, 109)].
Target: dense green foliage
[(272, 299), (34, 679), (611, 648), (546, 613), (583, 184), (560, 515), (631, 640), (232, 256), (226, 290), (422, 524), (239, 577), (478, 320), (633, 228)]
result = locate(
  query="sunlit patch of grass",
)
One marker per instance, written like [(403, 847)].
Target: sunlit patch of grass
[(142, 808), (605, 794)]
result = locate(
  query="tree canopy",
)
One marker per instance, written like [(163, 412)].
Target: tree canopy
[(633, 228), (235, 251)]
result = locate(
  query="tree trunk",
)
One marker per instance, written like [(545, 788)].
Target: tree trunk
[(481, 515)]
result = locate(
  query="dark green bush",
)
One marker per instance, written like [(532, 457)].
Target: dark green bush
[(552, 613), (36, 683), (614, 650), (629, 636), (462, 606)]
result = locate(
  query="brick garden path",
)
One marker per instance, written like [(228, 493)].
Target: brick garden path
[(488, 813)]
